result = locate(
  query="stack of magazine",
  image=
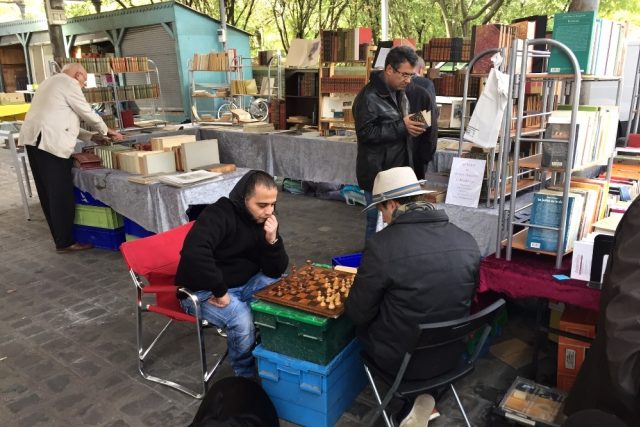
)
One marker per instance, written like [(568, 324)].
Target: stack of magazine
[(530, 403), (189, 178)]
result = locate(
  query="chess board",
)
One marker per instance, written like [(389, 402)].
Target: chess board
[(316, 290)]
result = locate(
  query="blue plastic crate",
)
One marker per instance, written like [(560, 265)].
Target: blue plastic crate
[(134, 229), (348, 260), (104, 238), (309, 394), (85, 198)]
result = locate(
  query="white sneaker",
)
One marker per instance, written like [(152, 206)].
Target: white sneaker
[(420, 412)]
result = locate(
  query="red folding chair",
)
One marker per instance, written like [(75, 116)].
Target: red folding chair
[(152, 263)]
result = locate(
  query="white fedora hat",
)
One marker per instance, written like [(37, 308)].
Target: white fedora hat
[(395, 183)]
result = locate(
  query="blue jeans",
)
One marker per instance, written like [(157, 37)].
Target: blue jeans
[(236, 318), (372, 217)]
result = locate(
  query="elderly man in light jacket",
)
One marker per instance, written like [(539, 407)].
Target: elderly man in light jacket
[(49, 133)]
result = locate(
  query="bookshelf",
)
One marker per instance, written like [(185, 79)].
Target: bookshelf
[(112, 90), (301, 96), (344, 71)]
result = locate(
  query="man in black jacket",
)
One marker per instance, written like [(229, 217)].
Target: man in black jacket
[(419, 269), (231, 252), (609, 379), (383, 125), (421, 94)]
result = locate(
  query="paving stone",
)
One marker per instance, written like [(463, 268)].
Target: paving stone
[(23, 402), (59, 382)]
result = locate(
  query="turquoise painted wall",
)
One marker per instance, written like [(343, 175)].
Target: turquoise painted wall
[(198, 34)]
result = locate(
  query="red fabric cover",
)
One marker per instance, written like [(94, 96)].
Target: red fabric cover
[(634, 140), (156, 258), (530, 275)]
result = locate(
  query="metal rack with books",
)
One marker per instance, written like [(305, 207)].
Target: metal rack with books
[(568, 140), (111, 87), (225, 64)]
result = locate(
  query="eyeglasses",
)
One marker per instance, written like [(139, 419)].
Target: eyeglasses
[(406, 76)]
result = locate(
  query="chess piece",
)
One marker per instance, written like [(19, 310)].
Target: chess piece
[(331, 305), (323, 304), (320, 296), (338, 302)]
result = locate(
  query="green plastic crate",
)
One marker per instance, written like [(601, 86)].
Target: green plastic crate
[(300, 334), (129, 237), (96, 216)]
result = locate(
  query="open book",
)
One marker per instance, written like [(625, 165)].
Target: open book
[(423, 116)]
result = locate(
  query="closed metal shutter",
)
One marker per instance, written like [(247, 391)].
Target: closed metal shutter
[(156, 44)]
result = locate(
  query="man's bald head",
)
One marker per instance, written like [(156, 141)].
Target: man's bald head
[(77, 72)]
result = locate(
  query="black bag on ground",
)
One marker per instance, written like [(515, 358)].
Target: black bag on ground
[(236, 402)]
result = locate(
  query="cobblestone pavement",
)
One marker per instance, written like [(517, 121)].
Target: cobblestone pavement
[(67, 326)]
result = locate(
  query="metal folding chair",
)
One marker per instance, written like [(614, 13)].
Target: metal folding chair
[(152, 263), (20, 164), (431, 337)]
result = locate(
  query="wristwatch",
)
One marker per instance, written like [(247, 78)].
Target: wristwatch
[(274, 241)]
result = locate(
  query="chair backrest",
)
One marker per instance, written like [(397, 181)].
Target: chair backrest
[(156, 258), (440, 334)]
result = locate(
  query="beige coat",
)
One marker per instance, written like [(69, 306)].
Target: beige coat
[(55, 113)]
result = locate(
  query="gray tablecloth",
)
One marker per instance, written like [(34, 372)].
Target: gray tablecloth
[(156, 207), (291, 156)]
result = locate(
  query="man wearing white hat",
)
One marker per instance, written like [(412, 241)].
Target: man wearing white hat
[(419, 269)]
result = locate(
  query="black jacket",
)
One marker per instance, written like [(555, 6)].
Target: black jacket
[(609, 379), (418, 269), (383, 140), (226, 247), (424, 145)]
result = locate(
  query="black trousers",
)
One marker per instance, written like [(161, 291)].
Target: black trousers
[(54, 182)]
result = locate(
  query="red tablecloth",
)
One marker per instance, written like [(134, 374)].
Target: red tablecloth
[(530, 275)]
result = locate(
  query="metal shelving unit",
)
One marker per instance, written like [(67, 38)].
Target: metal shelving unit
[(517, 85)]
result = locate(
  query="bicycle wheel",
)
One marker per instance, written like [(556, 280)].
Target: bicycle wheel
[(225, 110), (259, 109)]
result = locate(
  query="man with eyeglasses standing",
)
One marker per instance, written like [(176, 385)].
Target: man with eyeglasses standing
[(49, 133), (384, 128)]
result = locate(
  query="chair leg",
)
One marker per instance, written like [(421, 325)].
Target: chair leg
[(380, 409), (464, 414)]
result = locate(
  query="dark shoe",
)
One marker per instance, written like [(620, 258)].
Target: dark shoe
[(75, 248)]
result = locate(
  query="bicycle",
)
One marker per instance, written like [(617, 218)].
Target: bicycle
[(258, 109)]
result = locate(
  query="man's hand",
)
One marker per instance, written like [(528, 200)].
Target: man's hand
[(221, 302), (114, 135), (100, 139), (414, 128), (270, 229)]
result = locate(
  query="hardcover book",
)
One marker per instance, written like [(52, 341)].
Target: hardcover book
[(547, 210), (576, 30)]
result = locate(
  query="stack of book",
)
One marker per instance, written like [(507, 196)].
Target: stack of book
[(598, 44), (345, 44), (342, 84), (244, 87), (488, 36), (214, 61), (445, 49), (129, 64)]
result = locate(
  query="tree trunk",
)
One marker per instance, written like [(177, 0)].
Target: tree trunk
[(584, 5)]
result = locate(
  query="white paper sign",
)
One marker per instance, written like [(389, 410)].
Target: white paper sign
[(465, 182)]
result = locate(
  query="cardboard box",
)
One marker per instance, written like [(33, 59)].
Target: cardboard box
[(571, 352), (11, 98)]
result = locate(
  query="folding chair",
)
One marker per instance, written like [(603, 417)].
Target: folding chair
[(19, 156), (155, 258), (431, 337)]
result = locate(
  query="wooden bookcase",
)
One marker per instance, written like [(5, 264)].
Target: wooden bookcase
[(301, 96)]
